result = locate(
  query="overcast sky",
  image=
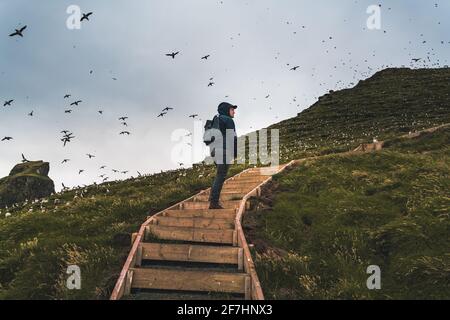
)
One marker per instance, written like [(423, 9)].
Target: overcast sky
[(252, 46)]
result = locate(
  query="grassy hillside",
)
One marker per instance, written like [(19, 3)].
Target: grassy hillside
[(392, 102), (91, 227), (321, 224)]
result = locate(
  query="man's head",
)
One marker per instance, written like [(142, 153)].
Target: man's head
[(227, 109)]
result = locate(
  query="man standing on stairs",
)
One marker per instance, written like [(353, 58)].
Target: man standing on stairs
[(223, 158)]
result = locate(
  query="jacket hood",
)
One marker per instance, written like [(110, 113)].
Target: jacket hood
[(224, 108)]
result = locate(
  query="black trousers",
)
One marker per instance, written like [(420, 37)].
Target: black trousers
[(222, 170)]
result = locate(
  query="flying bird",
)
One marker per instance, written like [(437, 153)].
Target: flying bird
[(67, 96), (295, 68), (86, 16), (65, 161), (167, 109), (7, 138), (125, 132), (80, 171), (162, 114), (18, 32), (76, 103), (206, 57), (123, 118), (90, 156), (173, 54), (193, 116), (31, 113), (7, 103)]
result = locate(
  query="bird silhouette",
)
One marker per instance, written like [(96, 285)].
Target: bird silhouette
[(86, 16), (67, 137), (65, 161), (206, 57), (123, 118), (18, 32), (295, 68), (210, 84), (67, 96), (193, 116), (173, 54), (167, 109), (100, 111), (68, 111), (7, 103), (24, 159), (102, 167), (90, 155), (80, 171), (31, 113), (7, 138), (76, 103), (125, 132), (162, 114), (417, 59)]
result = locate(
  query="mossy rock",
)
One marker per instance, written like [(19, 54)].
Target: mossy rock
[(28, 180)]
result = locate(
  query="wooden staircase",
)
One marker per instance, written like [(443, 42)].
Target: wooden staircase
[(189, 248)]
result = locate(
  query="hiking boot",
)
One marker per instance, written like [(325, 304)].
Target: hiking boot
[(215, 206)]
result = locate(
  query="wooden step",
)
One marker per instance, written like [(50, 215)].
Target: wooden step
[(223, 196), (224, 236), (241, 183), (189, 280), (192, 253), (228, 214), (205, 204), (187, 222), (250, 179)]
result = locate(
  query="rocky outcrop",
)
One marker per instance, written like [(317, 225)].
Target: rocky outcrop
[(27, 180)]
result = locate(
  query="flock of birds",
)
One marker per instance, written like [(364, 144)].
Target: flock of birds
[(73, 104)]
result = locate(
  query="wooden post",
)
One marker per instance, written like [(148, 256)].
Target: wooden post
[(128, 282)]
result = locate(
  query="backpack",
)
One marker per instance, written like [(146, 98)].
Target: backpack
[(210, 125)]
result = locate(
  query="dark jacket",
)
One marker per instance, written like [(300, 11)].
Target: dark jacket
[(226, 122)]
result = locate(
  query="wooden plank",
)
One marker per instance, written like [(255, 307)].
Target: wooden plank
[(192, 234), (202, 213), (189, 280), (223, 196), (240, 187), (195, 223), (205, 204), (192, 253)]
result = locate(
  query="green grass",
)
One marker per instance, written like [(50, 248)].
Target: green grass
[(334, 216)]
